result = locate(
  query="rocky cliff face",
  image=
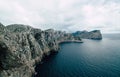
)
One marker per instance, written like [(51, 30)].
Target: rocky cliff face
[(22, 46), (96, 34)]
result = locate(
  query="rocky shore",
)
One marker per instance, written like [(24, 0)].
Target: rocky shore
[(22, 47)]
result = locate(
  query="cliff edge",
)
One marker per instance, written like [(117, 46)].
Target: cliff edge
[(22, 47)]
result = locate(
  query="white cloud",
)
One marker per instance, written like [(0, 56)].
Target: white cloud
[(70, 15)]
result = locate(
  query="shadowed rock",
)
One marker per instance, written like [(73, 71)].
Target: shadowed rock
[(22, 46)]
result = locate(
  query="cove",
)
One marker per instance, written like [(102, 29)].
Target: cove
[(93, 58)]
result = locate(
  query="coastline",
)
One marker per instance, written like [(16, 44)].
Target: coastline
[(22, 47)]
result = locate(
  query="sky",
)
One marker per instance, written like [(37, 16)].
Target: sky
[(66, 15)]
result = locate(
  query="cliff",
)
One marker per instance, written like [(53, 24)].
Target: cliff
[(95, 34), (22, 46)]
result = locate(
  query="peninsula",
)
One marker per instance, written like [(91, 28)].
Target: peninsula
[(22, 47)]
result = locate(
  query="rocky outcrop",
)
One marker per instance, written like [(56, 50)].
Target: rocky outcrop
[(2, 29), (22, 46), (96, 34)]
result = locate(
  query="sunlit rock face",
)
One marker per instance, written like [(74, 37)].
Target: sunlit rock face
[(22, 46), (95, 34)]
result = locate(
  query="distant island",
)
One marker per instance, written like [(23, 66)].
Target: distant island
[(22, 47)]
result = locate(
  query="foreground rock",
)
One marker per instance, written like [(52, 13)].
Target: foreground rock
[(22, 46)]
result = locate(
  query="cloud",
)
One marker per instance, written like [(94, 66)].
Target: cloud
[(69, 15)]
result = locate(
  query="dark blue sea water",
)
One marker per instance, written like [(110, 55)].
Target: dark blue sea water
[(93, 58)]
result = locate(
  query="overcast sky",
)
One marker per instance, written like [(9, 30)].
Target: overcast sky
[(68, 15)]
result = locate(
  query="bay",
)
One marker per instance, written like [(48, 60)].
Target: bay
[(93, 58)]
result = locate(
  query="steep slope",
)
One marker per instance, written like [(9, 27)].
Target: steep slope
[(96, 34), (21, 47)]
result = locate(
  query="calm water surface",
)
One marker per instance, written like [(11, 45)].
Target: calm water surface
[(93, 58)]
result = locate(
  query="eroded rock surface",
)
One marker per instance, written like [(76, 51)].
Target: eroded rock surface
[(22, 46)]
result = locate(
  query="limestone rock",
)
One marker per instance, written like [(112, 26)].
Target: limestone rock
[(2, 29), (18, 28), (96, 34), (22, 46)]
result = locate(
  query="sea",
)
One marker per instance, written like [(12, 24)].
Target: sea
[(93, 58)]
